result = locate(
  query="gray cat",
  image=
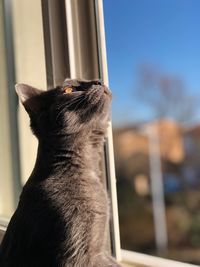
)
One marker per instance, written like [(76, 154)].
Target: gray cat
[(62, 214)]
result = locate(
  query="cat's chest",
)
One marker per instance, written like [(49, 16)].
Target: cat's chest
[(84, 187), (87, 188)]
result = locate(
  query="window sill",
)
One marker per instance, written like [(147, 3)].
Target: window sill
[(131, 265), (135, 259)]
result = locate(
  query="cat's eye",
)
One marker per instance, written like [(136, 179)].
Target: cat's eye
[(68, 90)]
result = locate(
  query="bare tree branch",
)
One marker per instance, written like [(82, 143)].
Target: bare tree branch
[(166, 95)]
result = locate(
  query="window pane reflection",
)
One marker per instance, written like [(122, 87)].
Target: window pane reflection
[(153, 56)]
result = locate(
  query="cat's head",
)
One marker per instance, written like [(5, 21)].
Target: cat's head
[(71, 108)]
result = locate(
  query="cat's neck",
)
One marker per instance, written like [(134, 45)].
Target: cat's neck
[(67, 154)]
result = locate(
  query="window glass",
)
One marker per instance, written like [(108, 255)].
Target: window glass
[(29, 55), (153, 52), (22, 61), (7, 194)]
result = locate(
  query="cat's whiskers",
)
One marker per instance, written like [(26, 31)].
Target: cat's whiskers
[(78, 104), (72, 102), (75, 109), (81, 101), (67, 106)]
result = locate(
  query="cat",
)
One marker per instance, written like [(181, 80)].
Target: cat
[(63, 209)]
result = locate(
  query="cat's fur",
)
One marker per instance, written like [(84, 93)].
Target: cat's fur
[(62, 214)]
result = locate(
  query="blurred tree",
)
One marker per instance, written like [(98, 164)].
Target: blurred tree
[(165, 94)]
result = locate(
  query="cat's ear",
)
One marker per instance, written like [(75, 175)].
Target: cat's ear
[(26, 92)]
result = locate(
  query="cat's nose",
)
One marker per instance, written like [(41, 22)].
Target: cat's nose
[(97, 82), (107, 91)]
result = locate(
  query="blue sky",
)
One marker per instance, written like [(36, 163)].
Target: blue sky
[(165, 34)]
